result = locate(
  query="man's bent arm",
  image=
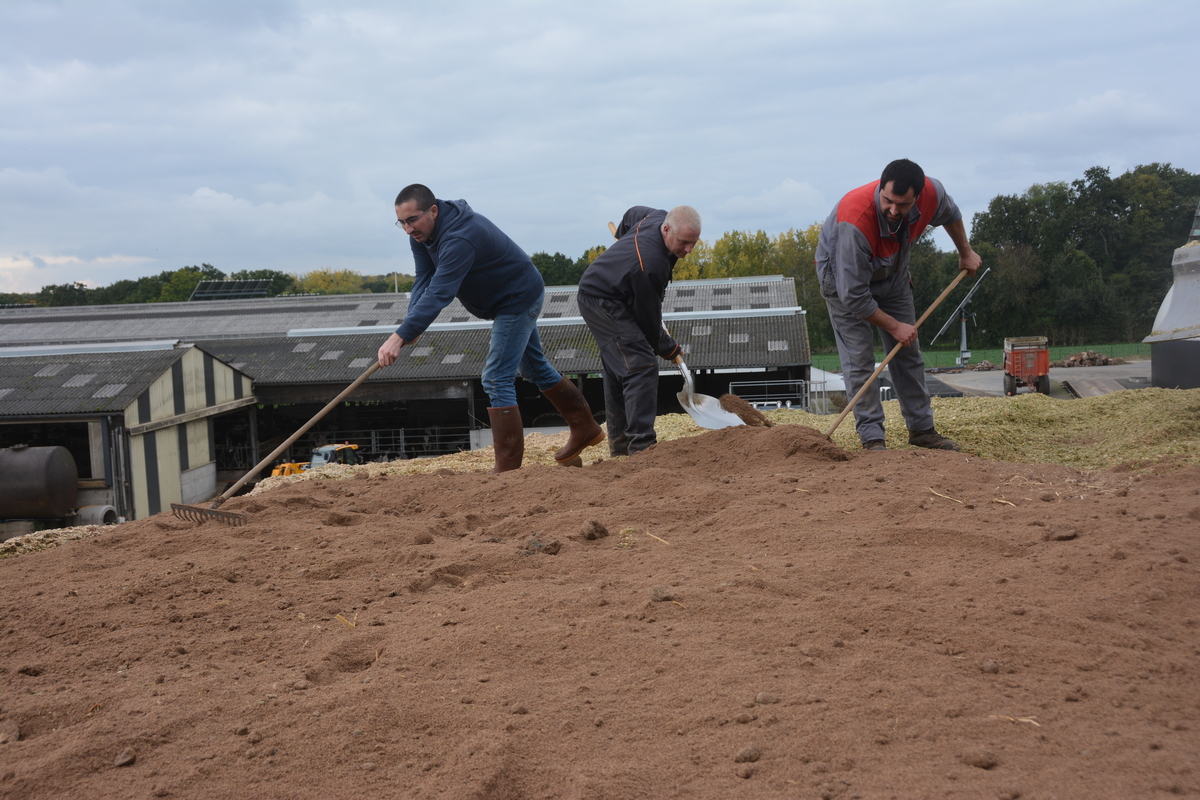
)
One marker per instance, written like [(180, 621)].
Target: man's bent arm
[(968, 259), (456, 259), (631, 218)]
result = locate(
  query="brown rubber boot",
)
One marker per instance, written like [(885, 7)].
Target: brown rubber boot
[(508, 437), (574, 408)]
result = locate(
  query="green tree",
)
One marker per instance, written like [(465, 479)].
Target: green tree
[(1081, 300), (1012, 301), (585, 260), (383, 284), (794, 255), (1097, 216), (329, 281), (1109, 239), (557, 269), (1159, 204), (18, 298), (64, 294), (741, 253), (1042, 217), (590, 255), (141, 290)]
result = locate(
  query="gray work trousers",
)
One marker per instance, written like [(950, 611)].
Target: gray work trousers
[(856, 347), (630, 375)]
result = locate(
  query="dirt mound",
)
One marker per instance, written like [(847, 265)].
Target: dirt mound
[(752, 612), (743, 449)]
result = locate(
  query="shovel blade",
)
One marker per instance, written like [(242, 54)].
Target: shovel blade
[(706, 411)]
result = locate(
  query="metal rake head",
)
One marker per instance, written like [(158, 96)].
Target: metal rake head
[(196, 514)]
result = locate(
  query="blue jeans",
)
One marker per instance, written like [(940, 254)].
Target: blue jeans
[(515, 346)]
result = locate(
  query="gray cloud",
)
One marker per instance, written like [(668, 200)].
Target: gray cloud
[(137, 137)]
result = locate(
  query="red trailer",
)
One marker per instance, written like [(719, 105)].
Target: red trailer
[(1026, 363)]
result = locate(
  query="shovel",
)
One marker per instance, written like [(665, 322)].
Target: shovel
[(200, 514), (704, 409)]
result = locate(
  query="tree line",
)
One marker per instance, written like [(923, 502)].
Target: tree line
[(1080, 262), (177, 285), (1088, 261)]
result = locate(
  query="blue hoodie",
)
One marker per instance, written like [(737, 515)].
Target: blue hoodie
[(468, 257)]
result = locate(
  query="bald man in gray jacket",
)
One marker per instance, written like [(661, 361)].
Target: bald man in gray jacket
[(620, 297)]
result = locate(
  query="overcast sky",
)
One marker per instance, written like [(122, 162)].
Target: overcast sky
[(137, 137)]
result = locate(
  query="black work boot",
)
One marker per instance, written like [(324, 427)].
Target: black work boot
[(874, 444), (574, 408), (932, 440), (508, 437)]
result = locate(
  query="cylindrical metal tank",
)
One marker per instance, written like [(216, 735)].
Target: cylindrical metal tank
[(37, 482)]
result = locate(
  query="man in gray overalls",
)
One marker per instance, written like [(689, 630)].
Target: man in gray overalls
[(862, 263)]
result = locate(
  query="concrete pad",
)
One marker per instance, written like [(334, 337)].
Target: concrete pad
[(991, 382), (1091, 387)]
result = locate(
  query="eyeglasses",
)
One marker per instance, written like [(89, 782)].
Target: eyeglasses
[(408, 223)]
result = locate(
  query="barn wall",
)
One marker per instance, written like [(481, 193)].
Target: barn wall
[(176, 464)]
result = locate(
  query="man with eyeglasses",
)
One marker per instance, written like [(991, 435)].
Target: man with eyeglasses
[(862, 264), (459, 253), (620, 297)]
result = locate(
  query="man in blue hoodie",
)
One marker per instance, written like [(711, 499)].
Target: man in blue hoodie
[(459, 253)]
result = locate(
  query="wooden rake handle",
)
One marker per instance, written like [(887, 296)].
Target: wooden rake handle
[(858, 396), (232, 490)]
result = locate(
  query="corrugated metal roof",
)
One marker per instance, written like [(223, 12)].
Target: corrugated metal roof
[(242, 319), (669, 319), (729, 295), (83, 382), (78, 383), (715, 343), (185, 321)]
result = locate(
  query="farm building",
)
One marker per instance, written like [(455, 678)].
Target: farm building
[(300, 352), (141, 421)]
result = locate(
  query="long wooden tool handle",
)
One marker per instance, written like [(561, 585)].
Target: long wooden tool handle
[(858, 396), (303, 430), (612, 229)]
